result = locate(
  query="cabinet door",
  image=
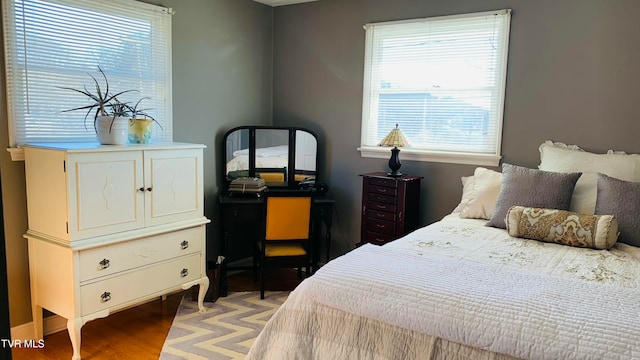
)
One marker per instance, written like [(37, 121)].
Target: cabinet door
[(173, 179), (104, 195)]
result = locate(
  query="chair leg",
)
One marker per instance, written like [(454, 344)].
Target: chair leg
[(261, 277), (255, 267)]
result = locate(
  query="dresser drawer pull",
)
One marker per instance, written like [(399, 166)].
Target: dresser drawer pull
[(381, 207), (184, 244), (381, 226), (184, 272), (106, 296), (104, 264)]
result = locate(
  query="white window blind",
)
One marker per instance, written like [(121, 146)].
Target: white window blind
[(442, 80), (51, 44)]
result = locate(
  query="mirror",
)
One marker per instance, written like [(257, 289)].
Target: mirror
[(271, 153)]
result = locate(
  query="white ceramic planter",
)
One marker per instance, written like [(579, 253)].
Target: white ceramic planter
[(112, 131)]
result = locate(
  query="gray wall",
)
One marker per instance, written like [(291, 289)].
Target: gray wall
[(222, 78), (572, 76)]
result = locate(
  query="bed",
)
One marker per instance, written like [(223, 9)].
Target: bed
[(268, 157), (459, 289)]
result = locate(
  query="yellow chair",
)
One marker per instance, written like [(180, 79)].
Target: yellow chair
[(287, 240), (273, 175)]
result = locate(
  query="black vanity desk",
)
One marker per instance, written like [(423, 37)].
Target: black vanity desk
[(243, 223)]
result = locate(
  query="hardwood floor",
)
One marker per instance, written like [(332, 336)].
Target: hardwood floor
[(139, 333)]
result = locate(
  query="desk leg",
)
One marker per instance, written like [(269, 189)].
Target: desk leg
[(327, 243), (224, 282)]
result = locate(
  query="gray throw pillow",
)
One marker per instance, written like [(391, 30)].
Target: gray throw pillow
[(621, 199), (526, 187)]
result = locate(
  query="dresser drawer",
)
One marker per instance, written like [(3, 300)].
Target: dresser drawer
[(118, 290), (102, 261), (381, 190), (381, 215), (383, 182), (381, 226), (372, 205)]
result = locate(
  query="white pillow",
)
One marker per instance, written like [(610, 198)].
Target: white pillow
[(481, 198), (559, 157), (467, 186)]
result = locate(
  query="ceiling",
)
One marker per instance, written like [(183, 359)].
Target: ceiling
[(282, 2)]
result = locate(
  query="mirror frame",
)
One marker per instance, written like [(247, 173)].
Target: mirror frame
[(290, 181)]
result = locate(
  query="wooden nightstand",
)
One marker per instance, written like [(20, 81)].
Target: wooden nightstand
[(390, 206)]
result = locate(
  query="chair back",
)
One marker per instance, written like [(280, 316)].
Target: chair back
[(288, 217), (272, 175)]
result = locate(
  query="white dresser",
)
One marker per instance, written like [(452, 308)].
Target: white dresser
[(111, 227)]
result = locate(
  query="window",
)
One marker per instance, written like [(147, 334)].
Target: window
[(51, 44), (442, 81)]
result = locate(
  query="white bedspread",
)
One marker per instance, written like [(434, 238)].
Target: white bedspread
[(465, 283), (269, 157)]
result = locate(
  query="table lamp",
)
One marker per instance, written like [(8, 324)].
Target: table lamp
[(396, 139)]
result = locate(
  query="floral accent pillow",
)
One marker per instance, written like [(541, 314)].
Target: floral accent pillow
[(563, 227)]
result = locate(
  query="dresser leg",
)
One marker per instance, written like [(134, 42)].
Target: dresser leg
[(204, 286), (74, 327), (36, 313)]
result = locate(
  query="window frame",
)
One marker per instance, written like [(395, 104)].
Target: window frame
[(372, 45), (15, 85)]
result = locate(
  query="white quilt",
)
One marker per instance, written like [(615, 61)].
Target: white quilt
[(460, 282), (269, 157)]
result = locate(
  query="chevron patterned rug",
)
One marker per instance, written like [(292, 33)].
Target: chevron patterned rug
[(225, 331)]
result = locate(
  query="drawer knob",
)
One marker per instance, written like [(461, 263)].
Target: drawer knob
[(184, 244), (104, 263), (106, 296), (141, 189), (184, 272), (149, 188)]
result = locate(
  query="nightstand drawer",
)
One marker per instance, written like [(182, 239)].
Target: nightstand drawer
[(381, 226), (106, 260), (381, 190), (378, 239), (136, 284), (383, 182), (382, 198), (381, 206), (381, 215)]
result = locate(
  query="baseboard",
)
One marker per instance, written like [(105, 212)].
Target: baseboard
[(50, 325), (55, 323)]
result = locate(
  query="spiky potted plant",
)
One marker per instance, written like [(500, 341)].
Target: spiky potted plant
[(110, 115)]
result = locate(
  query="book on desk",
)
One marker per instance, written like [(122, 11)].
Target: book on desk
[(247, 185)]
